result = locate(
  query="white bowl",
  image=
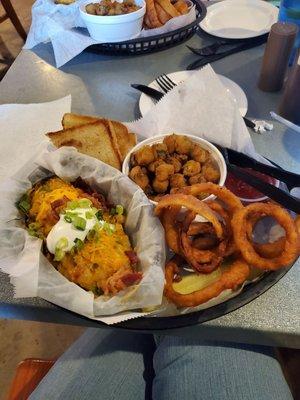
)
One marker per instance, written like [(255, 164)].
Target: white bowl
[(215, 154), (114, 28)]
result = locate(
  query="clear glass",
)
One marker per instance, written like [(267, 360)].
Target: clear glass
[(290, 12)]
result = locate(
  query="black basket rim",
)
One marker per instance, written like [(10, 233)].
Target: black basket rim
[(200, 6)]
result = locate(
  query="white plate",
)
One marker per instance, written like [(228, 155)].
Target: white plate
[(234, 90), (239, 19)]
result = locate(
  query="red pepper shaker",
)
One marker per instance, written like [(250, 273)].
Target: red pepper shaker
[(278, 48)]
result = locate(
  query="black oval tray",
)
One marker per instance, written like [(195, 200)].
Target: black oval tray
[(153, 43)]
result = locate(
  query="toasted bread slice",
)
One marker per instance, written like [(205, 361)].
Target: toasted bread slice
[(126, 140), (93, 139), (71, 120)]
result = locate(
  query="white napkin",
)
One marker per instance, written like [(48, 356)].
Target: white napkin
[(199, 106), (23, 128), (56, 23)]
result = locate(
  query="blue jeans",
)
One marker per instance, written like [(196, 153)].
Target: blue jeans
[(117, 365)]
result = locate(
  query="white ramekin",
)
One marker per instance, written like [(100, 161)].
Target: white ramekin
[(215, 153), (114, 28)]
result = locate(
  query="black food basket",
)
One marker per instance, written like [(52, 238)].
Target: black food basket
[(153, 43)]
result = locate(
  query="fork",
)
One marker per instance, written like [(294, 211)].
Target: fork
[(166, 84)]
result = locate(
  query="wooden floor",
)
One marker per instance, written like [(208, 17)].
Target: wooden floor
[(24, 339)]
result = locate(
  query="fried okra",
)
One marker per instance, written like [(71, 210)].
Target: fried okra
[(166, 167), (177, 181), (144, 156), (163, 171), (210, 172), (175, 162), (199, 154), (139, 177), (160, 186), (160, 150), (169, 141), (183, 145), (199, 178), (191, 168), (152, 166)]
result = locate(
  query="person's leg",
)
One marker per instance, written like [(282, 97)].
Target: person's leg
[(187, 369), (101, 364)]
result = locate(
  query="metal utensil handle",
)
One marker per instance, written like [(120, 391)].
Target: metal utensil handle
[(290, 178)]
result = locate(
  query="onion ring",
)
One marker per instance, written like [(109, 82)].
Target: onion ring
[(239, 226), (219, 209), (204, 261), (197, 228), (234, 276), (193, 204), (232, 202), (272, 249), (168, 220), (206, 242)]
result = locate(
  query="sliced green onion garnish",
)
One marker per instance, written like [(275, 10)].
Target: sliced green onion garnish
[(33, 230), (59, 255), (112, 227), (97, 227), (89, 214), (67, 218), (112, 211), (24, 203), (34, 226), (84, 203), (119, 209), (73, 204), (71, 214), (79, 223), (109, 228), (94, 210), (62, 243), (93, 235), (78, 243), (99, 215)]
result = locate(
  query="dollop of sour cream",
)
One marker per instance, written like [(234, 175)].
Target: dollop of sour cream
[(63, 229)]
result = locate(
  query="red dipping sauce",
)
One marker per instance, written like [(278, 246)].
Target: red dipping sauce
[(243, 190)]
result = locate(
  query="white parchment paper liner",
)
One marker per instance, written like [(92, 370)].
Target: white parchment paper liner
[(33, 275), (57, 23)]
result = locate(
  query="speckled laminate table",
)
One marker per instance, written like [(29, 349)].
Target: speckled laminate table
[(100, 85)]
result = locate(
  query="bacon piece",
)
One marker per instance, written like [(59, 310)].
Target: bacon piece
[(131, 278), (52, 216), (59, 202), (133, 258)]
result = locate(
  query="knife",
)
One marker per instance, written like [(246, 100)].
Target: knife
[(157, 95), (291, 179)]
